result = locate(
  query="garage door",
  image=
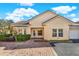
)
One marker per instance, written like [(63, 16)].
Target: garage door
[(74, 34)]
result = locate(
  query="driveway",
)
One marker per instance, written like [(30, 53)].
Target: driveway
[(28, 48), (67, 49)]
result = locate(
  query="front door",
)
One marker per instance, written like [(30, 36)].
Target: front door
[(37, 33)]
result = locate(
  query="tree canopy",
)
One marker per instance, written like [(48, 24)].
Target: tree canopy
[(5, 22)]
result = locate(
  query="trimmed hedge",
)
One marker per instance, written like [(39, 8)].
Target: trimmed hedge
[(4, 37), (24, 37), (18, 38), (8, 35)]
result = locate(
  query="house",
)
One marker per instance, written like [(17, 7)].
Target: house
[(49, 26), (4, 30)]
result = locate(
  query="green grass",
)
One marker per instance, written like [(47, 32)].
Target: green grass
[(63, 41)]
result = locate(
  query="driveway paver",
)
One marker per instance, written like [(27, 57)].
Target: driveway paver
[(28, 48)]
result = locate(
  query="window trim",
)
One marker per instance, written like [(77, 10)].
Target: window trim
[(40, 31), (54, 34), (57, 32), (34, 33), (60, 32)]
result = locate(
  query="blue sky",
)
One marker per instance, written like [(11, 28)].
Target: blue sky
[(25, 11)]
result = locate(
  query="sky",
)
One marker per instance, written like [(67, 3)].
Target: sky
[(24, 11)]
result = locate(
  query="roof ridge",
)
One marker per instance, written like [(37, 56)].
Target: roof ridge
[(50, 18), (56, 16), (40, 14)]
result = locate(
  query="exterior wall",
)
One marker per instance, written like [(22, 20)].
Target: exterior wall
[(28, 30), (37, 22), (56, 23), (36, 33), (20, 30)]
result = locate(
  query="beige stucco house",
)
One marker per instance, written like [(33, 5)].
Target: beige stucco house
[(49, 26)]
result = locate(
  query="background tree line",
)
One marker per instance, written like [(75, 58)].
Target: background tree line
[(5, 26)]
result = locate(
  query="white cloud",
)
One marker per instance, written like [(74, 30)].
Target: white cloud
[(75, 19), (15, 19), (64, 9), (74, 7), (26, 4), (72, 15), (17, 14)]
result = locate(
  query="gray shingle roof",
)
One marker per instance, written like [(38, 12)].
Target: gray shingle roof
[(21, 23), (25, 23)]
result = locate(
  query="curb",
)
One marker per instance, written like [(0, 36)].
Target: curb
[(54, 52)]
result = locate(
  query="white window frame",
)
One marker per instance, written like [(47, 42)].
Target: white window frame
[(57, 33), (60, 32), (54, 32)]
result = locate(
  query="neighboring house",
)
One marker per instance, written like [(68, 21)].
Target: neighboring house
[(49, 26), (4, 30), (20, 27)]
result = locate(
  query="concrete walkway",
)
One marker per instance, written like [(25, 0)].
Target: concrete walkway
[(28, 48)]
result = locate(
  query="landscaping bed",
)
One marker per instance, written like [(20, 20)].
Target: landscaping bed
[(18, 38), (6, 37), (59, 41)]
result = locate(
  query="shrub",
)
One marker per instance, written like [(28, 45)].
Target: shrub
[(8, 35), (24, 37), (20, 37), (28, 36), (5, 37), (2, 38)]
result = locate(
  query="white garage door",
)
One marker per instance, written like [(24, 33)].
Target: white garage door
[(74, 34)]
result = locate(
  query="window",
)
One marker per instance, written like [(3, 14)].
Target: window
[(34, 33), (40, 32), (60, 32), (57, 33), (20, 31), (54, 33)]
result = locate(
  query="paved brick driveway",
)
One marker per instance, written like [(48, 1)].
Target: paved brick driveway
[(28, 48)]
